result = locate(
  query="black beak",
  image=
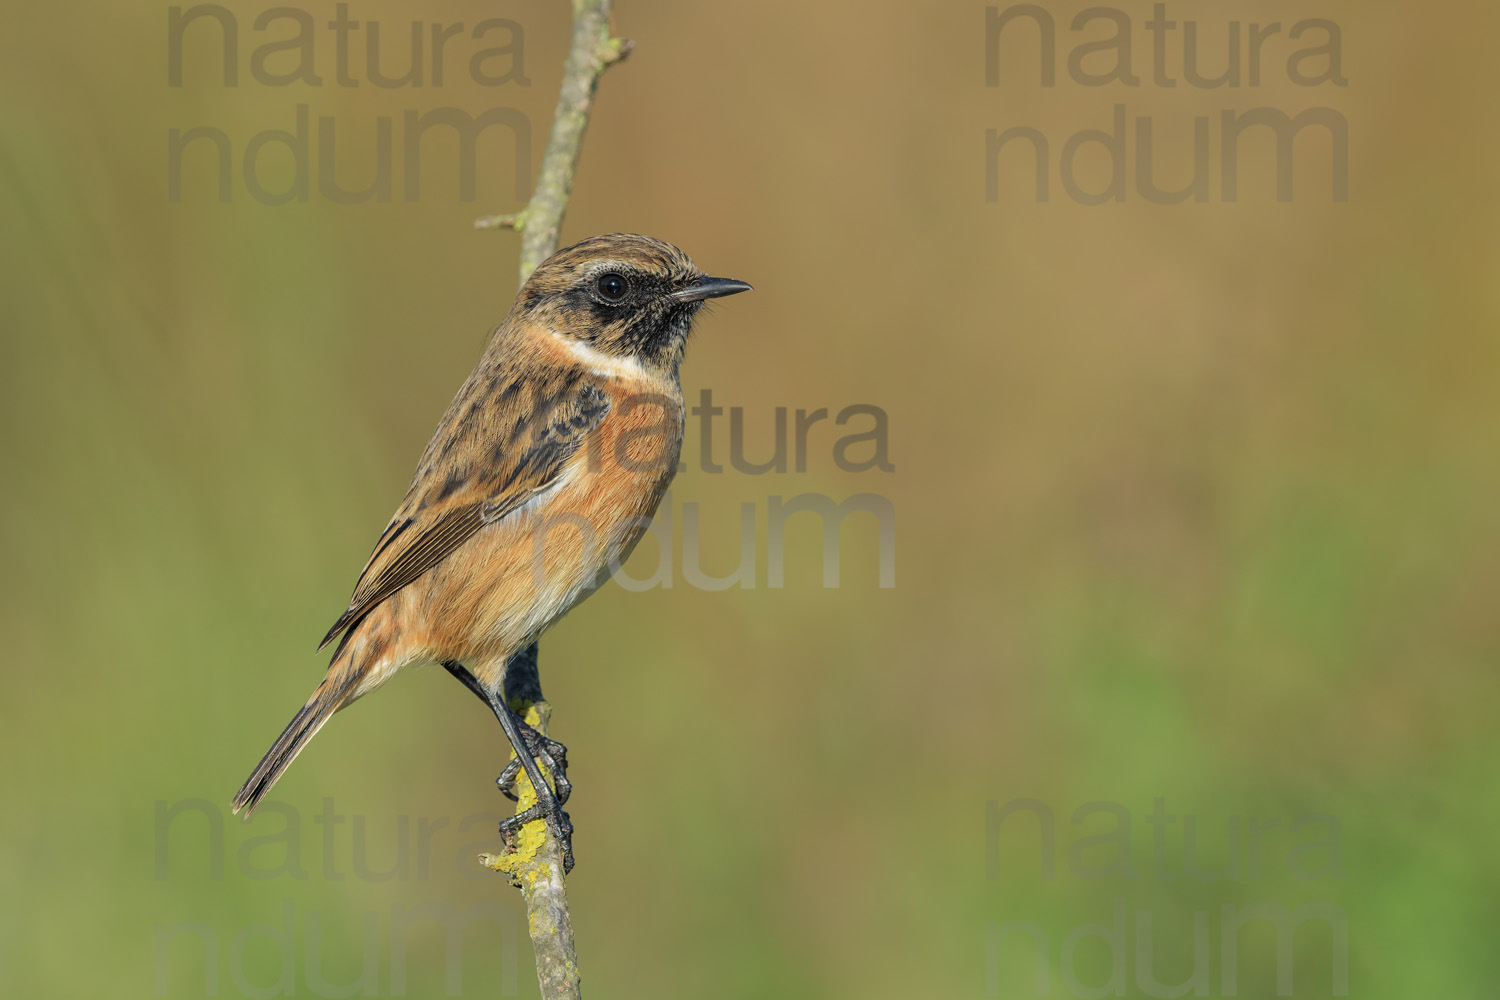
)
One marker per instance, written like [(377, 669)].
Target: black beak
[(710, 288)]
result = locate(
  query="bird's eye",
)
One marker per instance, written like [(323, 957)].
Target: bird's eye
[(612, 287)]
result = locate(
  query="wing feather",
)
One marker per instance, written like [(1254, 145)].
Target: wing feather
[(531, 458)]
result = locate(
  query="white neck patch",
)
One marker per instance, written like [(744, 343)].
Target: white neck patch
[(598, 362)]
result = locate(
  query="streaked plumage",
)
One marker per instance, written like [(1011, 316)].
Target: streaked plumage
[(569, 427)]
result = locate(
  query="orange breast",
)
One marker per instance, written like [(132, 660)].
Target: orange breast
[(527, 570)]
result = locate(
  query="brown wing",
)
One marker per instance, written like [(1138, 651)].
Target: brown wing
[(483, 463)]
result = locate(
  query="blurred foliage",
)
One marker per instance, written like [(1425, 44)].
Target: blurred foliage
[(1194, 503)]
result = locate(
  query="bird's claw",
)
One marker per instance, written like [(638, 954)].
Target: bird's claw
[(557, 821)]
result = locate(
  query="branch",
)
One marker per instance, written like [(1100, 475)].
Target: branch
[(535, 864), (592, 52)]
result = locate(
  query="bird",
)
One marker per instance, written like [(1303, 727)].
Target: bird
[(540, 478)]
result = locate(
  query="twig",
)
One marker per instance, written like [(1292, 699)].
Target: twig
[(592, 52), (536, 865)]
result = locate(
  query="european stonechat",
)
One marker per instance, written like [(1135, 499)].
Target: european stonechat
[(541, 477)]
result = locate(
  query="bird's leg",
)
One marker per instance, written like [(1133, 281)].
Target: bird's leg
[(550, 752), (548, 805)]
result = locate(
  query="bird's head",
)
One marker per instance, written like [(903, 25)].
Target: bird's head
[(623, 294)]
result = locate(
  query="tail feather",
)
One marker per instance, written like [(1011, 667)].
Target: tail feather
[(327, 699)]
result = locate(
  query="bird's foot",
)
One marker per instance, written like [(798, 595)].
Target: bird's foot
[(557, 821), (551, 754)]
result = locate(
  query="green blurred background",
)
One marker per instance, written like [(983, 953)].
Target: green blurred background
[(1193, 503)]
